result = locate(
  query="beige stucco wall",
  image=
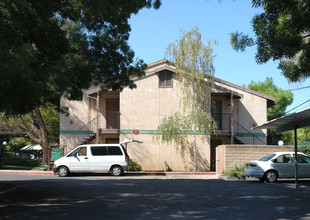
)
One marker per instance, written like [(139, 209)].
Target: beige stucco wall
[(142, 109), (78, 113), (152, 154), (145, 106), (229, 156)]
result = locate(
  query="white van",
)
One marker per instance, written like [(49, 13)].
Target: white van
[(101, 158)]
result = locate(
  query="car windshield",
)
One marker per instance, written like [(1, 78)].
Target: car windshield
[(267, 157)]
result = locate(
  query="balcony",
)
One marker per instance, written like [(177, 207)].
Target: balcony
[(223, 123), (109, 122), (242, 135)]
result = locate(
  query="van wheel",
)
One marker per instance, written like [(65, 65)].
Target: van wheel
[(117, 171), (63, 171)]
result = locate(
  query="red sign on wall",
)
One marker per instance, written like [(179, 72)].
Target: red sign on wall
[(135, 132)]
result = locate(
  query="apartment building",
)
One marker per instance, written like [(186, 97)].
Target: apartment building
[(111, 116)]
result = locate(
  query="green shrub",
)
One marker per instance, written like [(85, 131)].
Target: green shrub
[(304, 149), (134, 166), (236, 172), (22, 162)]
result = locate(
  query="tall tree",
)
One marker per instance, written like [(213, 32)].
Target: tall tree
[(27, 125), (282, 33), (194, 70), (284, 98), (51, 48)]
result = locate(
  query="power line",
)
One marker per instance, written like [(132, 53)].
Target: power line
[(297, 106), (305, 87)]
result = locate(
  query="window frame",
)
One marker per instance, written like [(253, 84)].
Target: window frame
[(165, 73)]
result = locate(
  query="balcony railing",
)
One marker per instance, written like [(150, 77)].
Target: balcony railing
[(109, 120), (223, 121), (242, 134)]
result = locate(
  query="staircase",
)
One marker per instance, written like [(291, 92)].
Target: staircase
[(109, 120), (83, 135), (251, 137)]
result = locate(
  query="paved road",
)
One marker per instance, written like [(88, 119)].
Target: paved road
[(105, 197)]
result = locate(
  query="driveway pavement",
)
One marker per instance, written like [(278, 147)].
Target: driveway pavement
[(152, 197)]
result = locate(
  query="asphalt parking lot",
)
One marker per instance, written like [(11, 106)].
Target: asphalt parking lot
[(153, 197)]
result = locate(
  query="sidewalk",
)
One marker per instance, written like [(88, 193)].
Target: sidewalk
[(51, 173)]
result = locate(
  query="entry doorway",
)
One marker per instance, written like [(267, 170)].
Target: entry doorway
[(214, 144), (112, 107)]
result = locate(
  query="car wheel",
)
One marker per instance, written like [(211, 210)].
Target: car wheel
[(271, 176), (63, 171), (116, 171)]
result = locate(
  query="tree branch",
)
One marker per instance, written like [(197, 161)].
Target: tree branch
[(27, 131)]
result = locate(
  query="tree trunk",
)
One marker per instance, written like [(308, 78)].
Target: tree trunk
[(38, 133), (44, 141)]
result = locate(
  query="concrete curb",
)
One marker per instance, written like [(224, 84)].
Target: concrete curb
[(27, 172)]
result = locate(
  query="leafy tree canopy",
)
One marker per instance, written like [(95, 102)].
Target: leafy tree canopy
[(282, 33), (51, 48), (193, 68)]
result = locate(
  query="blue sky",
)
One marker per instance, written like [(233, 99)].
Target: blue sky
[(153, 30)]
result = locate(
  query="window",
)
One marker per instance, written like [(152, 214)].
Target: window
[(302, 159), (99, 151), (81, 151), (165, 79), (285, 158), (115, 150)]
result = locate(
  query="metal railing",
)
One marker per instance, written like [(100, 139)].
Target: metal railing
[(244, 135), (106, 120), (223, 121), (109, 120)]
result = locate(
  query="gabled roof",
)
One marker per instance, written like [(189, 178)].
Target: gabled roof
[(163, 64), (270, 100), (160, 65)]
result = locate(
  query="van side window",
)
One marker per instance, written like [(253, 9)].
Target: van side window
[(99, 151), (115, 150), (82, 151)]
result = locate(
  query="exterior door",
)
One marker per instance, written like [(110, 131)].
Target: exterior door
[(214, 144), (284, 165), (303, 165), (216, 113), (79, 160), (112, 106), (99, 159)]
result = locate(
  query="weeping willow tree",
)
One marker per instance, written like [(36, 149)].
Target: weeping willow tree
[(194, 71)]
